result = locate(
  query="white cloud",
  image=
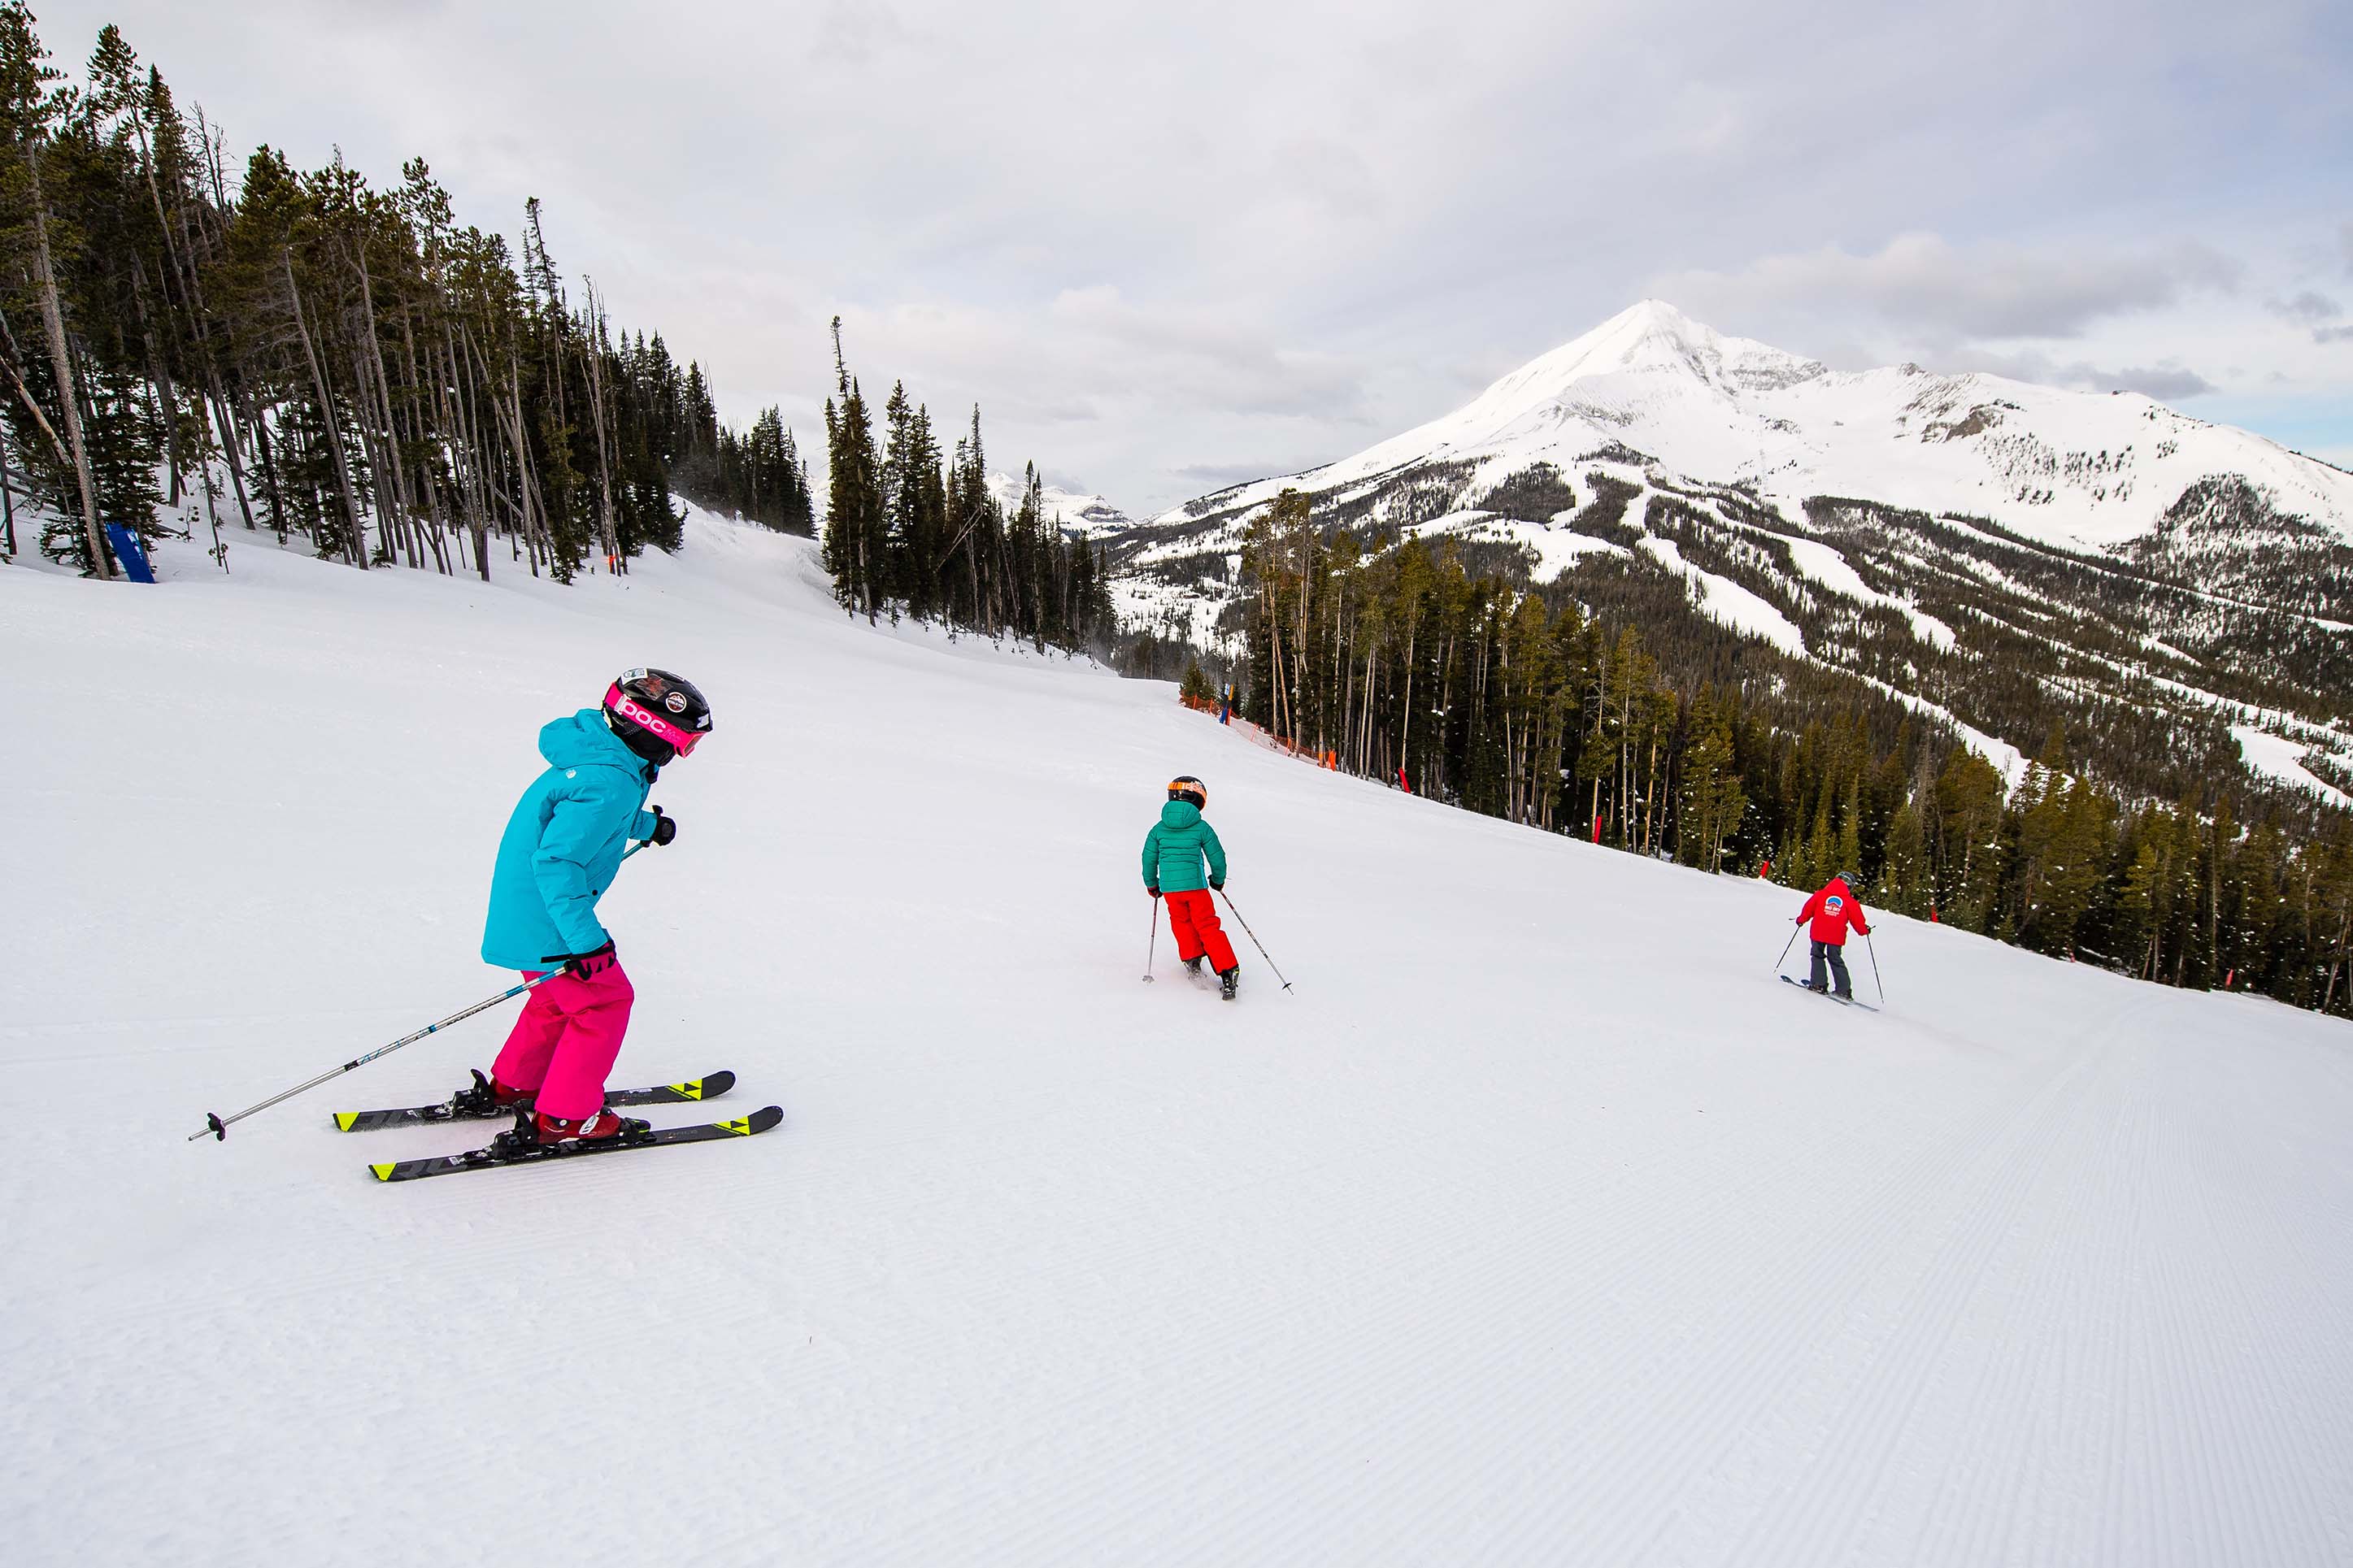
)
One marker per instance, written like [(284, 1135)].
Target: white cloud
[(2169, 383), (2309, 309), (1149, 239), (1924, 283)]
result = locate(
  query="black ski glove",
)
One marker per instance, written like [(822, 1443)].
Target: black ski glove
[(585, 965), (1152, 888), (1217, 884), (665, 827)]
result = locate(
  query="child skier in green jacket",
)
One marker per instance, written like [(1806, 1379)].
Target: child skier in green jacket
[(1172, 855)]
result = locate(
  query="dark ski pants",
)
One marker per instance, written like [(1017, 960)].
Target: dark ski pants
[(1836, 953)]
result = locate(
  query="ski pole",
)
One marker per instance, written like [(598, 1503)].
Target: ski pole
[(1152, 943), (1872, 948), (1785, 950), (1252, 935), (217, 1126)]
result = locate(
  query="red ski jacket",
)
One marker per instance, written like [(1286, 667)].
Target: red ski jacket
[(1833, 911)]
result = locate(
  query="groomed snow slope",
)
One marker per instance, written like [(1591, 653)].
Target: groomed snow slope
[(1540, 1225)]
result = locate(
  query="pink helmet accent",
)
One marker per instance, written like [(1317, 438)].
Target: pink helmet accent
[(620, 701)]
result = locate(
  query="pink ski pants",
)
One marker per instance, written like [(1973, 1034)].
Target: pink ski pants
[(565, 1043)]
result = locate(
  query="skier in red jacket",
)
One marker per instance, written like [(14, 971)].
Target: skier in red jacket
[(1833, 911)]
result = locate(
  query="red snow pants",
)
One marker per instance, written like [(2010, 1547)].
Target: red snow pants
[(565, 1043), (1193, 917)]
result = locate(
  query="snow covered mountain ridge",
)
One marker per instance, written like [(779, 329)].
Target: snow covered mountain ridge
[(1083, 513), (1927, 532), (2072, 468)]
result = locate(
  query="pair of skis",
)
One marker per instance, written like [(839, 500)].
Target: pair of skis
[(1830, 995), (493, 1154)]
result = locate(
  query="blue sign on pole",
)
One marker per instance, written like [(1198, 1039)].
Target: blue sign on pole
[(128, 551)]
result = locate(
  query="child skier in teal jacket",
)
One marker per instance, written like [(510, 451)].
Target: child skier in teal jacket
[(1173, 852)]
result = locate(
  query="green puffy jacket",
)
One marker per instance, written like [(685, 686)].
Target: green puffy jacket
[(1174, 848)]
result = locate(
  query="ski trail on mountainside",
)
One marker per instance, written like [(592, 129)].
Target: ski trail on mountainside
[(1539, 1224)]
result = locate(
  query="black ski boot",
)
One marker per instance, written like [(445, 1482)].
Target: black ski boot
[(488, 1096), (1229, 979), (1193, 966), (522, 1137)]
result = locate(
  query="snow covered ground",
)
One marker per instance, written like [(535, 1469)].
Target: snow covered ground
[(1538, 1224), (2284, 760)]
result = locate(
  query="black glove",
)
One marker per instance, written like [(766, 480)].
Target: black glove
[(585, 965), (1152, 888), (1217, 884), (665, 828)]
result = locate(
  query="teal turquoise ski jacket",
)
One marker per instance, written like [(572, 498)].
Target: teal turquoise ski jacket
[(1173, 850), (564, 843)]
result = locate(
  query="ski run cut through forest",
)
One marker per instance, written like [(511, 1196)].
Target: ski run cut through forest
[(1539, 1223)]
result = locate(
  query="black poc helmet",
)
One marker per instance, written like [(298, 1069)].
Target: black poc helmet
[(1188, 787), (657, 714)]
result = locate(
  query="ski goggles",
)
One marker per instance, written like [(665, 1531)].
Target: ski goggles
[(682, 740)]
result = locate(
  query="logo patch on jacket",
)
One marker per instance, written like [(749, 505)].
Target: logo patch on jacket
[(1833, 903)]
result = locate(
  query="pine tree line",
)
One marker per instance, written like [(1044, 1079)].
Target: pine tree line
[(910, 529), (1523, 705), (2146, 656), (310, 355)]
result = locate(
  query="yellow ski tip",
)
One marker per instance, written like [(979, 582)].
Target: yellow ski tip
[(691, 1090), (343, 1120), (383, 1172)]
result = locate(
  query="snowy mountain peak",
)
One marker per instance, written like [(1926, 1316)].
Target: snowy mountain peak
[(1083, 513), (1653, 336), (1647, 363), (1669, 397)]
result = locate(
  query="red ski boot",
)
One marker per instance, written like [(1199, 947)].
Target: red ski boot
[(602, 1128)]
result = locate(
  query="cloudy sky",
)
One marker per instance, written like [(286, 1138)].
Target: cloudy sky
[(1167, 246)]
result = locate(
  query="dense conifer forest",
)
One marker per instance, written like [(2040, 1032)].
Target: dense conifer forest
[(912, 531), (1594, 707), (186, 345)]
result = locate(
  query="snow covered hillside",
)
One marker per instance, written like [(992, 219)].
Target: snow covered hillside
[(1932, 536), (2072, 468), (1083, 513), (1539, 1224)]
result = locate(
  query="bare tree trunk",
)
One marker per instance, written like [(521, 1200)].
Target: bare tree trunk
[(531, 507), (25, 393), (603, 456), (401, 516), (160, 377), (476, 487), (184, 268), (53, 322), (356, 539), (269, 475)]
